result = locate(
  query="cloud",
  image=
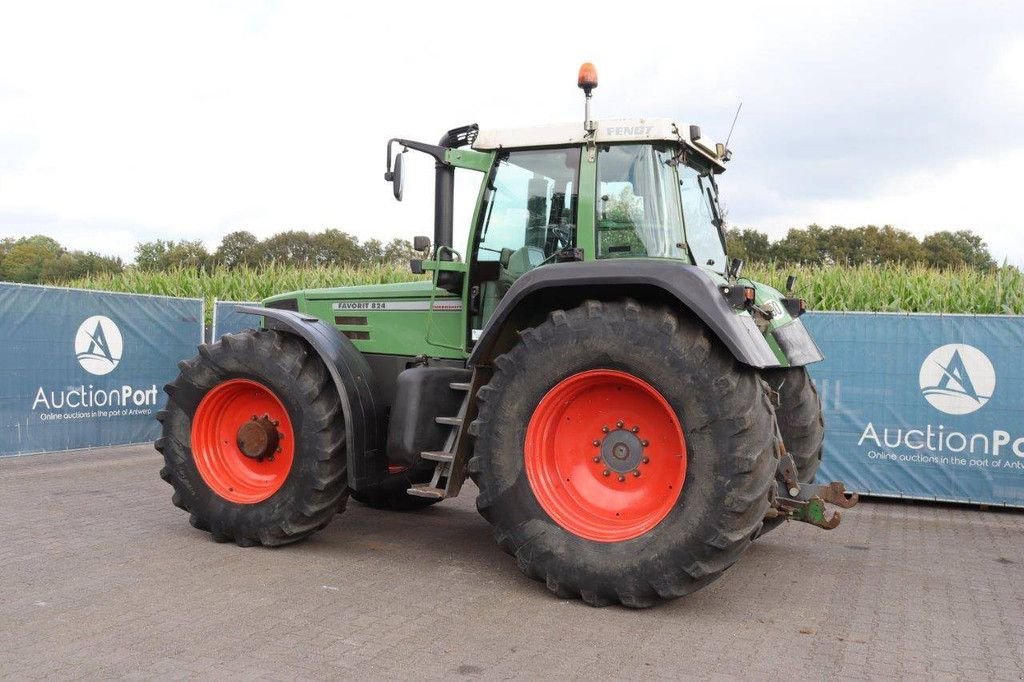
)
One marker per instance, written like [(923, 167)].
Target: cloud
[(122, 122), (957, 197)]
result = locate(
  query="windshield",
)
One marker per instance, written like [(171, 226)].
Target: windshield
[(638, 211), (700, 215)]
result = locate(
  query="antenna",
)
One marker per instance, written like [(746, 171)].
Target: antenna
[(729, 136)]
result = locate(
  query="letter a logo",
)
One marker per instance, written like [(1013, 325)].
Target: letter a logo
[(98, 345), (957, 379)]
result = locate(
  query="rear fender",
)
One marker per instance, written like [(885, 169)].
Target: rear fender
[(357, 388), (671, 282)]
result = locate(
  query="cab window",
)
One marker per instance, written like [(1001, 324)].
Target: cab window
[(529, 217), (531, 210), (701, 217), (638, 211)]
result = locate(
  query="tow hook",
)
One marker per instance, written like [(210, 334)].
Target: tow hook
[(806, 502)]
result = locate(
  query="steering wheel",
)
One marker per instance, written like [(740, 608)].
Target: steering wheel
[(563, 236)]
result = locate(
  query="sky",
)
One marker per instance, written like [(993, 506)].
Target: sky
[(128, 122)]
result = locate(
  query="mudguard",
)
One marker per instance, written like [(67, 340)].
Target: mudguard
[(360, 399), (688, 285)]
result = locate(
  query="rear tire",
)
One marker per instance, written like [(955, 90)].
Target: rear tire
[(800, 422), (241, 498), (720, 408), (800, 418)]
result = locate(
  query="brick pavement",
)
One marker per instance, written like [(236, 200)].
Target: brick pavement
[(102, 577)]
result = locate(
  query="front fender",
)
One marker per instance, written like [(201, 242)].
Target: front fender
[(686, 285), (357, 388)]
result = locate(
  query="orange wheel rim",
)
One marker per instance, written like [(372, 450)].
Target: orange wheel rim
[(242, 441), (605, 455)]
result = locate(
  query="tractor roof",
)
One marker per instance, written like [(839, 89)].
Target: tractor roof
[(608, 130)]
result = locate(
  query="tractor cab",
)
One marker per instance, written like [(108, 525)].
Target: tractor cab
[(634, 188), (573, 192)]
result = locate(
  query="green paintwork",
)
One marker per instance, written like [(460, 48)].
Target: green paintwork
[(469, 159), (403, 332), (445, 334), (586, 215), (816, 513)]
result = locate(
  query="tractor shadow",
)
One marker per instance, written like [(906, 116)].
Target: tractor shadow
[(450, 543)]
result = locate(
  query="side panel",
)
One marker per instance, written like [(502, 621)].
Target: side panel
[(687, 284), (357, 388), (392, 326)]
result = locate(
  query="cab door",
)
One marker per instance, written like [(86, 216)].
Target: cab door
[(530, 215)]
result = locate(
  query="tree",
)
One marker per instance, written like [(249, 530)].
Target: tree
[(40, 259), (165, 255), (74, 264), (237, 248), (802, 247), (393, 253), (398, 251), (337, 247), (748, 245), (303, 249), (961, 248), (24, 262)]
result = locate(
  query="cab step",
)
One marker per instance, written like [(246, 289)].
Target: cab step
[(438, 456), (437, 488), (426, 490), (449, 421)]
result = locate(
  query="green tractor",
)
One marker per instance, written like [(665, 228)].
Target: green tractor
[(632, 410)]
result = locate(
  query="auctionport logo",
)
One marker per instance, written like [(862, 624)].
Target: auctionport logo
[(98, 345), (957, 379), (98, 348)]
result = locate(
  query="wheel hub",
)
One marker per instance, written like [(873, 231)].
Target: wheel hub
[(622, 451), (259, 438)]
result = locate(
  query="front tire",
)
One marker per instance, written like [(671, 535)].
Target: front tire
[(253, 440), (706, 427)]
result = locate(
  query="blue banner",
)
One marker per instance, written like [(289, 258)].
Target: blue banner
[(923, 406), (87, 368), (227, 321)]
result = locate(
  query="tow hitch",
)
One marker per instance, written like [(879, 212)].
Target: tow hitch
[(807, 502)]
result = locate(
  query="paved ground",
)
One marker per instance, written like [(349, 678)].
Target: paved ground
[(102, 577)]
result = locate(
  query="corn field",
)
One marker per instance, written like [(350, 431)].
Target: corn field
[(890, 288), (901, 288)]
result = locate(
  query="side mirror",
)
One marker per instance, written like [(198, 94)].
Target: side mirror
[(397, 177), (735, 267), (421, 243)]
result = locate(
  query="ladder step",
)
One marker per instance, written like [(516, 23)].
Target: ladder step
[(459, 386), (426, 490), (437, 455), (450, 421)]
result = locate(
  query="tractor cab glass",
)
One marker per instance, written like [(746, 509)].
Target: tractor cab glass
[(638, 210), (529, 215), (700, 217), (650, 203)]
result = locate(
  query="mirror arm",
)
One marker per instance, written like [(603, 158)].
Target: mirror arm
[(432, 149)]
